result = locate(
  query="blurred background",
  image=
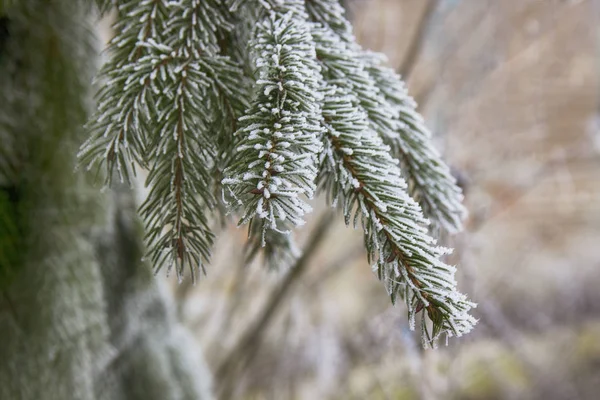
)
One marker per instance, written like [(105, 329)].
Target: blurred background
[(511, 92)]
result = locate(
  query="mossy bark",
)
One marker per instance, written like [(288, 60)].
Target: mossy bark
[(81, 316)]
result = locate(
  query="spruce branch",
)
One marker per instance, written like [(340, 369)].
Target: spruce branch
[(126, 99), (174, 200), (392, 114), (430, 181), (331, 14), (160, 114), (359, 172), (341, 62), (180, 178), (276, 156), (197, 24)]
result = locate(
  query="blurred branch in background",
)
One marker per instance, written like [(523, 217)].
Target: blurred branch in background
[(243, 353), (417, 42)]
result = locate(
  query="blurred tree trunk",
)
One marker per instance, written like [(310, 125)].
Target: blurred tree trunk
[(81, 316), (155, 357)]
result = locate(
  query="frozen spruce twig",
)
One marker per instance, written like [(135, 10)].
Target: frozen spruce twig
[(331, 14), (341, 63), (430, 181), (125, 101), (392, 114), (161, 95), (361, 176), (194, 77), (275, 165)]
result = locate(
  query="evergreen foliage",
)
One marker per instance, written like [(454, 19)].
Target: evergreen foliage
[(282, 125), (360, 173), (322, 112), (161, 102), (429, 178)]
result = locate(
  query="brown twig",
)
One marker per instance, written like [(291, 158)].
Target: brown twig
[(244, 351), (335, 267), (416, 44)]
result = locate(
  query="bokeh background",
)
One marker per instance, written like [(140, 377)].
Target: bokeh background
[(511, 92)]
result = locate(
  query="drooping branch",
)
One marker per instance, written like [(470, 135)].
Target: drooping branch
[(275, 166), (363, 177)]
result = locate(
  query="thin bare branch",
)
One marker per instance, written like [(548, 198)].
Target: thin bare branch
[(247, 347), (416, 44)]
